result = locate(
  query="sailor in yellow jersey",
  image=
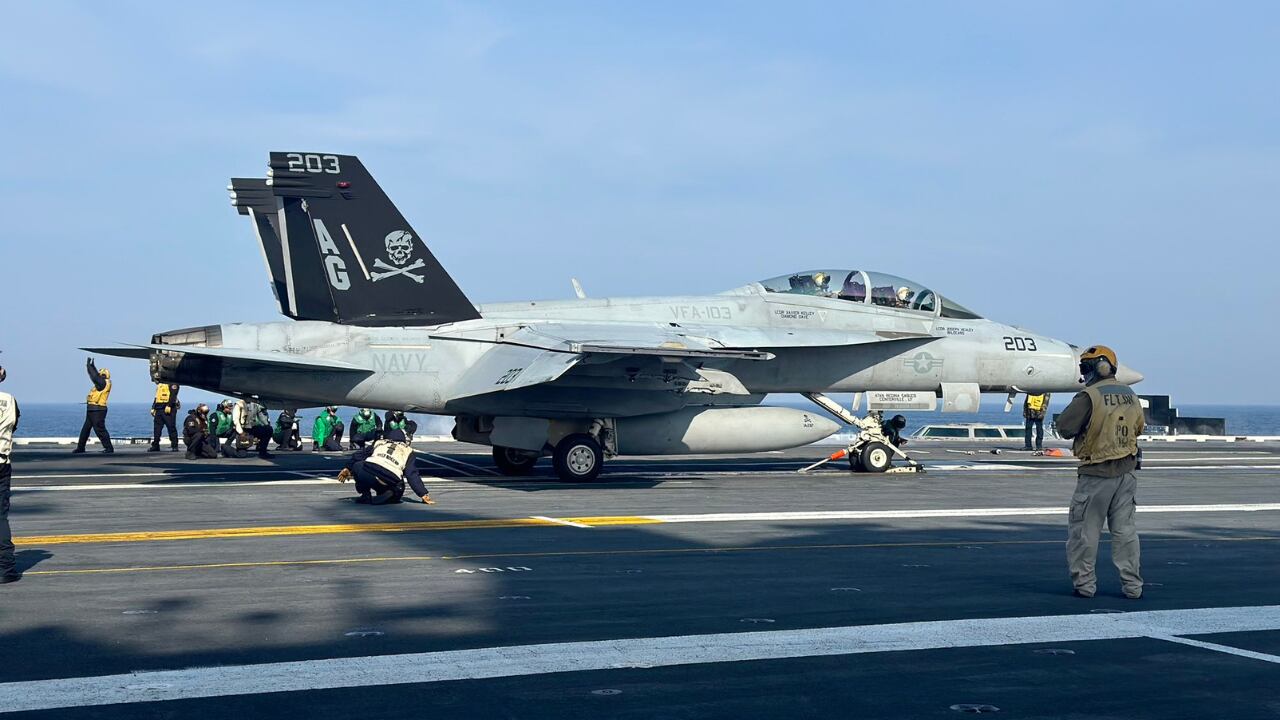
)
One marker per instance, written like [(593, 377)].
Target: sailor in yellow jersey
[(1105, 421), (164, 408), (1033, 411), (381, 470), (95, 410), (9, 415)]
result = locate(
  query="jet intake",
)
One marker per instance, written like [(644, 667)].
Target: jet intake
[(720, 430)]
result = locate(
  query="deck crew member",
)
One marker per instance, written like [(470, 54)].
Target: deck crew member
[(9, 415), (1104, 420), (95, 412), (395, 420), (366, 427), (196, 434), (326, 431), (164, 408), (286, 432), (381, 469), (222, 427), (1033, 412), (251, 423)]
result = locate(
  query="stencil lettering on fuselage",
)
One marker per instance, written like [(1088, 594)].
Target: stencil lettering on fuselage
[(701, 312)]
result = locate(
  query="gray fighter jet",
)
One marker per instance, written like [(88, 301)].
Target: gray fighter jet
[(375, 321)]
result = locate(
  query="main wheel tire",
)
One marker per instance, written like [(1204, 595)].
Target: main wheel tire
[(578, 458), (511, 461), (876, 457)]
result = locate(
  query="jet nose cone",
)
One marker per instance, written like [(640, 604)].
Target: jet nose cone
[(1128, 375)]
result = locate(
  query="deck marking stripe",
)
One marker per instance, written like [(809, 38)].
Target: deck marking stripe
[(559, 521), (533, 660), (601, 521), (1219, 648), (582, 553)]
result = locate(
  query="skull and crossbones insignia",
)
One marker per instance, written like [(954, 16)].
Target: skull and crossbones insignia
[(399, 246)]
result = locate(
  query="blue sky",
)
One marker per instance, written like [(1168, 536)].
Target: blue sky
[(1097, 173)]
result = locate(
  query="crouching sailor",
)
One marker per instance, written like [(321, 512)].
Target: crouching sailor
[(380, 471)]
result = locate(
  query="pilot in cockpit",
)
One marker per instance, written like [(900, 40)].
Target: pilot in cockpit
[(904, 297), (822, 283)]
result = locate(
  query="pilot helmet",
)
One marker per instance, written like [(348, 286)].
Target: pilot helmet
[(904, 293), (821, 278), (898, 422), (365, 412)]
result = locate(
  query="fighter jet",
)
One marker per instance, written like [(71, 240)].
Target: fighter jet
[(375, 321)]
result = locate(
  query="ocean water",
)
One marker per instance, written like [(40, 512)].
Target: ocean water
[(134, 419)]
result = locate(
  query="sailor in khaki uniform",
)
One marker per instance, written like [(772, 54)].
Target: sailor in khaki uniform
[(1105, 421), (8, 423), (381, 470)]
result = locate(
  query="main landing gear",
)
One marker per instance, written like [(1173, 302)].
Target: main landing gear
[(576, 458)]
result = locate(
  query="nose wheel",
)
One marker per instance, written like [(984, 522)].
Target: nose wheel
[(578, 458)]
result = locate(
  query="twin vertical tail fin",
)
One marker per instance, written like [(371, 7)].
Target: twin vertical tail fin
[(337, 249)]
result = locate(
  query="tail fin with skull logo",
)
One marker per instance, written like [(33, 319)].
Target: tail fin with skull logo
[(347, 254)]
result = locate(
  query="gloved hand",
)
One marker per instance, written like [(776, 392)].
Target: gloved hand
[(426, 500), (168, 410), (344, 476), (153, 412)]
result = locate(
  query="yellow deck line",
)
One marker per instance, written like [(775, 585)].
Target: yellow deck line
[(279, 531), (620, 552)]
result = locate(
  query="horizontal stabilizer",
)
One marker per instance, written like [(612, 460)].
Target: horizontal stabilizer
[(133, 352)]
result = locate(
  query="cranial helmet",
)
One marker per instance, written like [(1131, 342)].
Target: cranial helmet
[(399, 246), (898, 422), (3, 374), (1098, 359), (904, 293)]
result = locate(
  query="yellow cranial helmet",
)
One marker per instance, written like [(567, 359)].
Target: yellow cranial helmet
[(821, 278), (1099, 351)]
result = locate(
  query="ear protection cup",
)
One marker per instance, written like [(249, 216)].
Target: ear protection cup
[(1104, 368)]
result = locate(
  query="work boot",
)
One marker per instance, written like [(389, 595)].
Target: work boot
[(173, 449), (10, 577), (1079, 594), (108, 451), (266, 455), (191, 455), (78, 451), (154, 448)]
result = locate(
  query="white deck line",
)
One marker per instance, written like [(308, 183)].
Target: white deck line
[(526, 660), (947, 512)]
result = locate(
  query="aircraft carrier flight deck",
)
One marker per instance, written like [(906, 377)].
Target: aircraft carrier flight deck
[(669, 587)]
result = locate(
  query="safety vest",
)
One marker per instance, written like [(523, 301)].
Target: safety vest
[(99, 397), (362, 424), (396, 424), (8, 419), (1115, 422), (219, 423), (391, 456), (1037, 403)]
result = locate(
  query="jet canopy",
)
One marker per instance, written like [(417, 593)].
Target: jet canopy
[(869, 288)]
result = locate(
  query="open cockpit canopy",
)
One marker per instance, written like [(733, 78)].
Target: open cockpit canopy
[(869, 288)]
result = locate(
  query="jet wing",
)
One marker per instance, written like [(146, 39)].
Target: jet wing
[(628, 339), (261, 358)]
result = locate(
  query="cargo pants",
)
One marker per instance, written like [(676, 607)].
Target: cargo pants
[(1099, 500), (8, 560)]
